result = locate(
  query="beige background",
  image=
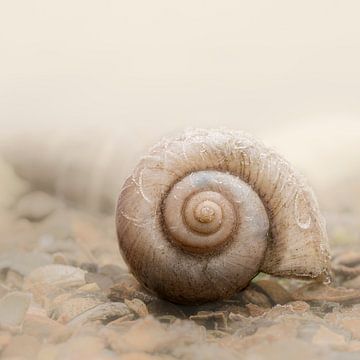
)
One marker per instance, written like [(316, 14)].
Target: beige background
[(287, 71)]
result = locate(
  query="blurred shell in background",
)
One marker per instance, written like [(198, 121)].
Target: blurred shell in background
[(88, 167)]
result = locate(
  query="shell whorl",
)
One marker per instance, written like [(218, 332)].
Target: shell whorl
[(204, 212)]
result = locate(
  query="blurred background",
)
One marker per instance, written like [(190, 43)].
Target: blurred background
[(112, 77)]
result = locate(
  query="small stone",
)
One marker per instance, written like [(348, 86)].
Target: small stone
[(129, 288), (252, 295), (322, 292), (121, 320), (14, 280), (159, 308), (327, 337), (274, 291), (138, 307), (353, 283), (255, 310), (36, 206), (89, 288), (13, 307), (114, 272), (89, 267), (49, 278), (74, 306), (149, 335), (59, 258), (347, 264), (22, 347), (352, 325), (5, 338), (78, 347), (45, 329), (211, 320), (103, 281), (24, 262), (104, 312), (299, 306), (143, 356), (4, 290)]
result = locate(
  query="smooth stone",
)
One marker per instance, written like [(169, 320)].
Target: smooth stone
[(104, 312), (24, 262), (35, 206), (22, 347), (274, 291), (47, 278), (13, 307)]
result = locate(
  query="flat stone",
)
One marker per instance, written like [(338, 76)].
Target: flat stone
[(211, 320), (274, 291), (24, 262), (347, 264), (49, 278), (77, 347), (327, 337), (160, 308), (5, 338), (36, 206), (353, 283), (255, 296), (149, 335), (45, 329), (138, 307), (13, 307), (103, 312), (66, 310), (322, 292), (22, 347), (128, 288)]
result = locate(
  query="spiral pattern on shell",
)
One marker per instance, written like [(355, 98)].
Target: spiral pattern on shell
[(204, 212)]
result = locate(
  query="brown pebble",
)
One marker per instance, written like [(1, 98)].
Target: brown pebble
[(128, 288), (321, 292), (211, 320), (254, 296), (22, 346), (138, 307), (274, 291), (159, 307)]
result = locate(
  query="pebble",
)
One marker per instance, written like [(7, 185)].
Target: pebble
[(14, 280), (24, 262), (76, 348), (327, 337), (66, 310), (49, 278), (128, 288), (44, 328), (13, 307), (149, 335), (323, 292), (254, 295), (347, 264), (211, 320), (274, 291), (103, 312), (22, 347), (36, 206), (138, 307), (161, 308), (353, 283), (5, 338)]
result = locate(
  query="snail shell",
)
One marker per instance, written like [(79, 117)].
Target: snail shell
[(204, 212)]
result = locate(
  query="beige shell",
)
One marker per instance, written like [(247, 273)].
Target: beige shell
[(204, 212)]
